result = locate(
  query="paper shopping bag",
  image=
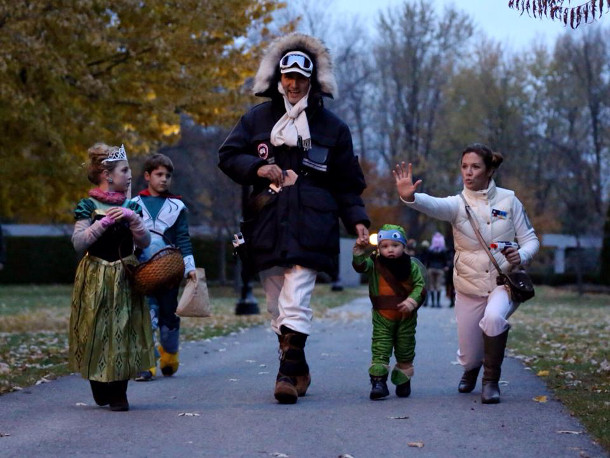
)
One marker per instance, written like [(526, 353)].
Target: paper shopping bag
[(195, 299)]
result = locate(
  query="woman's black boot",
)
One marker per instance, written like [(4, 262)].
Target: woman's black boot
[(469, 380), (492, 367)]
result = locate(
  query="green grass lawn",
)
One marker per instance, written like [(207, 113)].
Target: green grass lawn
[(562, 337), (565, 340)]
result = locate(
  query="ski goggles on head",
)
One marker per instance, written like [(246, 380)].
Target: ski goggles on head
[(296, 61)]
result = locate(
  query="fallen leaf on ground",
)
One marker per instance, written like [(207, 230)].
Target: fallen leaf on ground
[(399, 418), (569, 432), (542, 373), (540, 399), (4, 434), (188, 414), (415, 444)]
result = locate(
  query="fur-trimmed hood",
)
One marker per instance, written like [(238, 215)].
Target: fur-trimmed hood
[(268, 74)]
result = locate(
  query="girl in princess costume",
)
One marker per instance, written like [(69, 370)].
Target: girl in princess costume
[(110, 329)]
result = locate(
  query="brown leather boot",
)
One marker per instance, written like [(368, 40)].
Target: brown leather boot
[(469, 380), (492, 367), (293, 376), (285, 389)]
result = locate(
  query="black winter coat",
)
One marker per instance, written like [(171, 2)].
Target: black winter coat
[(300, 224)]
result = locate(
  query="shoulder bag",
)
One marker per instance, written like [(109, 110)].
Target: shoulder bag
[(518, 281)]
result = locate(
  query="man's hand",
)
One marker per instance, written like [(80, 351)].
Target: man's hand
[(273, 173), (362, 234), (404, 181), (192, 275)]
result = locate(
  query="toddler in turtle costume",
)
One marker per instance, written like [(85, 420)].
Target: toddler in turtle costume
[(397, 290)]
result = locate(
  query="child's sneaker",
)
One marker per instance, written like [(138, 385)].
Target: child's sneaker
[(403, 390), (146, 376), (379, 387)]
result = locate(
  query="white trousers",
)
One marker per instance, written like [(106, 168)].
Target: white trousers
[(479, 313), (288, 292)]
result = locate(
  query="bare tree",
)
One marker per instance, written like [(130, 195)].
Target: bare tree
[(416, 54)]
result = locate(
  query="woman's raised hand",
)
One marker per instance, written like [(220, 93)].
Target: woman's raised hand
[(404, 181)]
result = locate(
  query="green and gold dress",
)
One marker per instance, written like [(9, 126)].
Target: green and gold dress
[(110, 328)]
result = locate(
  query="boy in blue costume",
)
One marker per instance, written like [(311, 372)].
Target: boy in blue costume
[(165, 213)]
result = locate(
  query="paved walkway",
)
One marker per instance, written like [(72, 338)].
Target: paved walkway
[(220, 403)]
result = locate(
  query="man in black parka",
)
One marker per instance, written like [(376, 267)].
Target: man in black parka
[(299, 160)]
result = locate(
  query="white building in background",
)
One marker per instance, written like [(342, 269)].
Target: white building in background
[(561, 242)]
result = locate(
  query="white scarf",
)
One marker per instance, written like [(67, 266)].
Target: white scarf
[(293, 124)]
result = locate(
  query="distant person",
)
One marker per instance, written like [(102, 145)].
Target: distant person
[(299, 159), (110, 331), (482, 307), (396, 289), (420, 255), (436, 264), (412, 247), (164, 213)]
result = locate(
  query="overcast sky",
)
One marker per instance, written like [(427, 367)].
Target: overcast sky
[(493, 17)]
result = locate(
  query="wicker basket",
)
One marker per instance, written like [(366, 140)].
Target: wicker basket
[(164, 270)]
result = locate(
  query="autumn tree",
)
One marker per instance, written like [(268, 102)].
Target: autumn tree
[(570, 12), (119, 71)]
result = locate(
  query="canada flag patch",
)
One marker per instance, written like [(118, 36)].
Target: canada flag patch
[(263, 151)]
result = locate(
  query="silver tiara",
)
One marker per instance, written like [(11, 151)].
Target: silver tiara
[(118, 155)]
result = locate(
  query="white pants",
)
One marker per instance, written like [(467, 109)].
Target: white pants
[(479, 313), (288, 291)]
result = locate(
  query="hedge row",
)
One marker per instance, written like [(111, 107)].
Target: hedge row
[(44, 260)]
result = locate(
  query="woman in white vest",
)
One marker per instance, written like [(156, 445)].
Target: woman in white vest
[(482, 307)]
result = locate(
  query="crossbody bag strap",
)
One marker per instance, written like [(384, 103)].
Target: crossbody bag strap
[(479, 236)]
